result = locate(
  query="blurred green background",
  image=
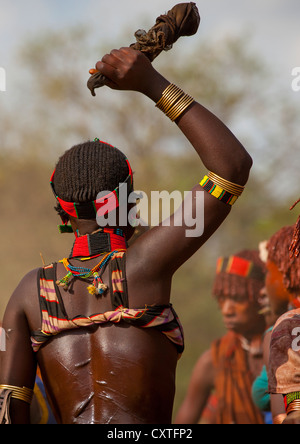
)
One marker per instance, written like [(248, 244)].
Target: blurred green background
[(52, 110)]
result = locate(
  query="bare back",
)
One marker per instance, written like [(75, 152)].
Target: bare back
[(108, 368)]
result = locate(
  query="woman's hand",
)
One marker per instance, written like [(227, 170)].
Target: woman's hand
[(128, 69)]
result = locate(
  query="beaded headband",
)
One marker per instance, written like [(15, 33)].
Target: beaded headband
[(240, 267), (89, 210)]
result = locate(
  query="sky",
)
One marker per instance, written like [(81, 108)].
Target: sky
[(274, 24)]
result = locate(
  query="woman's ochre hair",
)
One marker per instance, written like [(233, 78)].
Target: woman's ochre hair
[(295, 245), (289, 265), (232, 285)]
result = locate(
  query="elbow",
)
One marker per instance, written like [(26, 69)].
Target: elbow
[(246, 167), (242, 168)]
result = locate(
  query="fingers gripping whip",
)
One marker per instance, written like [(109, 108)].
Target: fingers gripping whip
[(182, 20)]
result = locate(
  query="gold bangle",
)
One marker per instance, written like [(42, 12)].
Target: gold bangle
[(169, 102), (166, 92), (174, 102), (226, 184), (169, 97), (293, 407), (233, 186), (277, 420), (237, 189), (180, 107), (22, 394)]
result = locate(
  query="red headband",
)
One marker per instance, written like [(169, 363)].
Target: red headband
[(240, 267)]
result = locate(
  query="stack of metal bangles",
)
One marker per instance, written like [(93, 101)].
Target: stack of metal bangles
[(292, 402), (174, 102), (22, 394)]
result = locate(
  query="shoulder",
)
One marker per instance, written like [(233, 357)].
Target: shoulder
[(29, 281), (203, 372), (286, 318), (286, 327), (204, 364), (27, 287), (285, 354), (206, 359)]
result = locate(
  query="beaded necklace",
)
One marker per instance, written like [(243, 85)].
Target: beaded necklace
[(88, 247), (101, 241)]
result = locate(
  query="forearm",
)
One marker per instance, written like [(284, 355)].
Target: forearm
[(218, 148), (215, 144)]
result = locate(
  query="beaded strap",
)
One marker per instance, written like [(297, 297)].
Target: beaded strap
[(292, 397), (292, 402), (218, 192)]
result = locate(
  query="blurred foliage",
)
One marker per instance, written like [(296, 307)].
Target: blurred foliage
[(56, 110)]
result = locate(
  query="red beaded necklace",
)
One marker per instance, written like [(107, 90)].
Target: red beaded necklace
[(105, 242), (102, 241)]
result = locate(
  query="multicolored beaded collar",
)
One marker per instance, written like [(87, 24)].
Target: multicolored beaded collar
[(240, 267), (106, 243)]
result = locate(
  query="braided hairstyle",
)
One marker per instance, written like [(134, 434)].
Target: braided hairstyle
[(87, 169), (231, 285), (288, 264)]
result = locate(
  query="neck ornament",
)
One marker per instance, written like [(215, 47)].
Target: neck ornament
[(105, 243)]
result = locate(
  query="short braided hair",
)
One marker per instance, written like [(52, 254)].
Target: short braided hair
[(86, 169)]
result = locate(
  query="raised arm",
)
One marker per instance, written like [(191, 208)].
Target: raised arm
[(218, 149)]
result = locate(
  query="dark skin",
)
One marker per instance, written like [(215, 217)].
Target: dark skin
[(279, 298), (117, 373), (241, 317)]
